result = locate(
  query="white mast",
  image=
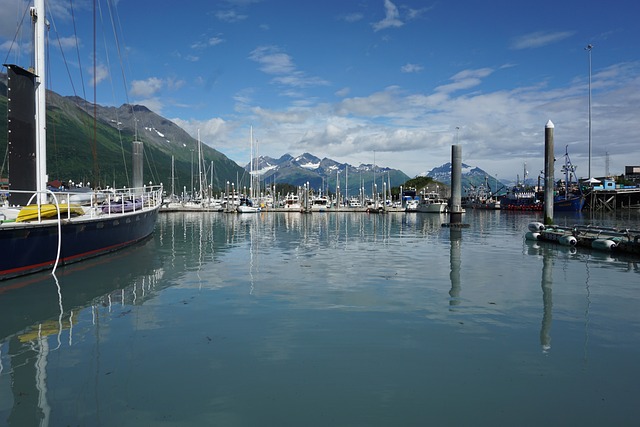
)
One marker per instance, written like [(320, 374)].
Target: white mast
[(173, 180), (256, 179), (38, 17), (200, 165), (251, 162), (346, 183)]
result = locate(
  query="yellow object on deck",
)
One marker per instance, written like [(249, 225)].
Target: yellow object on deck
[(30, 212)]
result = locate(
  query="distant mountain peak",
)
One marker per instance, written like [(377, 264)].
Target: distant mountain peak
[(472, 176), (318, 172)]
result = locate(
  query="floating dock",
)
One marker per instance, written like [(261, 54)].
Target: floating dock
[(588, 236)]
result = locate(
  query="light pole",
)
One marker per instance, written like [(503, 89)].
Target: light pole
[(588, 49)]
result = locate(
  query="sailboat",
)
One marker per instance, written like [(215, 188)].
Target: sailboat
[(40, 229), (247, 202)]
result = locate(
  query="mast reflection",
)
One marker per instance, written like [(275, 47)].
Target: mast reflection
[(37, 311)]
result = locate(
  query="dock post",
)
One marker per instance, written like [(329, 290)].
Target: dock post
[(549, 159), (455, 209)]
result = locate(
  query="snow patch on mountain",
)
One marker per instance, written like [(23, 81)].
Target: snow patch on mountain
[(310, 166)]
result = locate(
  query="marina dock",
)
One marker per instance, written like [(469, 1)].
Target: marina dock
[(623, 241)]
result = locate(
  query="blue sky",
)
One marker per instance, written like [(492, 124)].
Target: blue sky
[(346, 79)]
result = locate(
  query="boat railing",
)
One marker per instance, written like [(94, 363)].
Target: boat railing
[(141, 198), (49, 198), (149, 197)]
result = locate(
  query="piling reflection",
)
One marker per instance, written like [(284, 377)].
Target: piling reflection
[(553, 253), (455, 237), (547, 299)]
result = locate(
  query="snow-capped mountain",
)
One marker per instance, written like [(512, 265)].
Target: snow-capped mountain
[(472, 176), (318, 172)]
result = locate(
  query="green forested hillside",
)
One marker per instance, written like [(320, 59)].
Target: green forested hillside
[(72, 154)]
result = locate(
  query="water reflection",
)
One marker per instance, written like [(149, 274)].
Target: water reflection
[(547, 299), (38, 314), (455, 236), (552, 254), (365, 313)]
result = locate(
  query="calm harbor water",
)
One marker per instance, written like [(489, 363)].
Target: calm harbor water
[(337, 319)]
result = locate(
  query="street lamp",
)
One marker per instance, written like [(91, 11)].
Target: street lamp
[(588, 49)]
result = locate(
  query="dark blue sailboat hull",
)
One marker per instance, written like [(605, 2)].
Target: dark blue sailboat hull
[(35, 247)]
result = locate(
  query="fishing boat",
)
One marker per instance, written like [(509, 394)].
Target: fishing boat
[(482, 197), (40, 229), (521, 199), (571, 199), (432, 203), (319, 203), (292, 203), (409, 199), (353, 203)]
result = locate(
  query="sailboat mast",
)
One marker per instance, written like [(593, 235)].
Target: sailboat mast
[(173, 180), (200, 164), (251, 162), (256, 180), (38, 17), (346, 183)]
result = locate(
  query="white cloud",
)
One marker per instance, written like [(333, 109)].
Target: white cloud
[(101, 73), (465, 79), (211, 41), (391, 18), (417, 13), (343, 92), (154, 104), (151, 86), (275, 62), (230, 16), (411, 68), (272, 60), (226, 137), (146, 88), (499, 130), (539, 39), (9, 44), (351, 17)]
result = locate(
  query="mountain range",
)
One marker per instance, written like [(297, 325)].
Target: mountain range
[(471, 177), (325, 174)]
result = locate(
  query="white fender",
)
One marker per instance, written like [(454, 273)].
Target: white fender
[(603, 244), (536, 226), (530, 235), (568, 240)]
